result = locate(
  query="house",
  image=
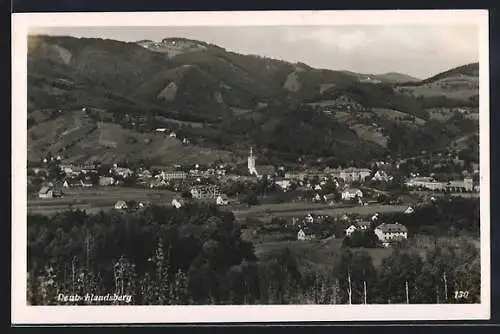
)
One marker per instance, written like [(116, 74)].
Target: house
[(123, 172), (409, 210), (221, 200), (358, 226), (309, 219), (87, 184), (350, 174), (72, 183), (351, 193), (425, 182), (177, 202), (157, 183), (106, 180), (301, 235), (388, 233), (121, 205), (382, 176), (350, 230), (45, 192), (205, 192), (173, 175), (144, 174), (284, 184)]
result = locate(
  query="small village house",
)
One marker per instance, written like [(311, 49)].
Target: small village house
[(351, 193), (221, 200), (121, 205), (409, 210), (177, 202), (46, 192), (302, 236), (357, 226)]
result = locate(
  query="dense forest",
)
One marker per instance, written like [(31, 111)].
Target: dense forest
[(195, 255)]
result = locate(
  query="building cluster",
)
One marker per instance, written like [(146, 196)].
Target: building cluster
[(429, 183)]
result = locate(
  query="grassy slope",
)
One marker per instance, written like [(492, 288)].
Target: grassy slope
[(81, 137)]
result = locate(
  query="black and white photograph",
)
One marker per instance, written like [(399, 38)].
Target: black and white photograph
[(250, 166)]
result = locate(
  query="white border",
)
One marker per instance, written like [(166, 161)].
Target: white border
[(23, 314)]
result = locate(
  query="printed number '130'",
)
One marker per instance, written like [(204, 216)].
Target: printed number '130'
[(461, 294)]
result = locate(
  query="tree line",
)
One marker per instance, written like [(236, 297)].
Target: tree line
[(196, 255)]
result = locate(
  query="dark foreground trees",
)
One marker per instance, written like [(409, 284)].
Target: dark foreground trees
[(195, 255)]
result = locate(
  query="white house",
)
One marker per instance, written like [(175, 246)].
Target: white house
[(177, 203), (357, 226), (301, 235), (45, 192), (409, 210), (381, 175), (120, 205), (350, 230), (387, 233), (221, 200), (351, 193)]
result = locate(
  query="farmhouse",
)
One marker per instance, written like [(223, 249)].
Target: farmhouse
[(387, 233), (45, 192), (351, 193)]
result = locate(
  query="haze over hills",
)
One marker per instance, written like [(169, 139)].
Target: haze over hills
[(226, 101)]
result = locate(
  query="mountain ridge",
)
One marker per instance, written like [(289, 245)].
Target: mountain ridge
[(213, 90)]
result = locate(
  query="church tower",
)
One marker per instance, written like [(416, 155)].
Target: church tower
[(251, 163)]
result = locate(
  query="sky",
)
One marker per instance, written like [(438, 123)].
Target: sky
[(417, 50)]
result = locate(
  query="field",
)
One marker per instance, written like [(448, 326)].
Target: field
[(315, 254), (295, 209), (99, 198)]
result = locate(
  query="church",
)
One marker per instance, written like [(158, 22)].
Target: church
[(264, 169), (251, 164)]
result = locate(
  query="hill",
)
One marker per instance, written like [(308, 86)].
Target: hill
[(223, 102), (460, 83)]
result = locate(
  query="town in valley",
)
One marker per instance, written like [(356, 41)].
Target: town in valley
[(178, 172)]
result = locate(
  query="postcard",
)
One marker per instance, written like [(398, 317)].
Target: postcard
[(275, 166)]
